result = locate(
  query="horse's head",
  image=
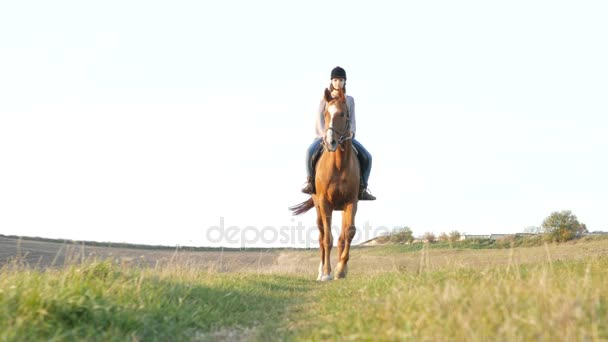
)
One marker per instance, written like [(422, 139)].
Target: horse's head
[(337, 120)]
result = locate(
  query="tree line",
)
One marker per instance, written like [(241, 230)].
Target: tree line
[(559, 226)]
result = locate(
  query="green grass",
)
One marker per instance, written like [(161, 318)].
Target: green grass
[(103, 301), (555, 292), (561, 301), (465, 244), (505, 243)]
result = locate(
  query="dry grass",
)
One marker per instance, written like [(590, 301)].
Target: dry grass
[(45, 254), (382, 259)]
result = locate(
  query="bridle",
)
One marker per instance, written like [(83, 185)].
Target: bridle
[(344, 135)]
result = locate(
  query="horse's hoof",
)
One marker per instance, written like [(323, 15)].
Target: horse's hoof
[(327, 278), (341, 271)]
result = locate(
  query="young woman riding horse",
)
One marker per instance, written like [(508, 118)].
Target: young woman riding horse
[(337, 185), (338, 82)]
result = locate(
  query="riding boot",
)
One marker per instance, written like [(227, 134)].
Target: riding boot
[(365, 195), (309, 187)]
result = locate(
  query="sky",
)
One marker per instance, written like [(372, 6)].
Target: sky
[(187, 122)]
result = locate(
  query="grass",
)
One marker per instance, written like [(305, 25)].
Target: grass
[(551, 292), (553, 302), (504, 243), (104, 301)]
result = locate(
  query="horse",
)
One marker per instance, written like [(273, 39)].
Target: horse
[(337, 184)]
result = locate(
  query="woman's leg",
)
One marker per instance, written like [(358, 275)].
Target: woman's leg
[(312, 155), (365, 160)]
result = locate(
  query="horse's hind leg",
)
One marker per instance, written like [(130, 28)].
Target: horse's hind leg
[(346, 237)]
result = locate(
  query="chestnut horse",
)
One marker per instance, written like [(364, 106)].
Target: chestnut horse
[(337, 186)]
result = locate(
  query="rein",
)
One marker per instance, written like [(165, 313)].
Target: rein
[(343, 136)]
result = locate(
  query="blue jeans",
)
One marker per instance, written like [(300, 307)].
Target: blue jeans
[(316, 148)]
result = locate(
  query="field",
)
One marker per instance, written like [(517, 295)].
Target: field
[(66, 292)]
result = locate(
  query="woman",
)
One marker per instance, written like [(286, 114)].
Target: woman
[(338, 81)]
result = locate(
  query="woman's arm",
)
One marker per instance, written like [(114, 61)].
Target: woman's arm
[(320, 122), (350, 103)]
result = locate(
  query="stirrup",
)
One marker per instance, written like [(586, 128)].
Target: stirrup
[(365, 195), (309, 187)]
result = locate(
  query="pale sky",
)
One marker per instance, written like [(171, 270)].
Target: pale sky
[(152, 122)]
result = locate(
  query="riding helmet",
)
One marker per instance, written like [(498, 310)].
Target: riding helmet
[(338, 72)]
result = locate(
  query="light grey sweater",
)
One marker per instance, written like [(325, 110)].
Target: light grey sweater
[(320, 121)]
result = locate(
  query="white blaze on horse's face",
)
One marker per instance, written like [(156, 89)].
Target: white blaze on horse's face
[(330, 139)]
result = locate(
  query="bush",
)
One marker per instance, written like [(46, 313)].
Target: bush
[(429, 237), (562, 226), (443, 237), (399, 235), (402, 235), (454, 236)]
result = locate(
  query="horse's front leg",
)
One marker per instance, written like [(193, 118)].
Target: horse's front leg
[(326, 242), (321, 240), (346, 237)]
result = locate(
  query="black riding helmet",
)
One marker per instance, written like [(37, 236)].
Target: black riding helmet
[(338, 72)]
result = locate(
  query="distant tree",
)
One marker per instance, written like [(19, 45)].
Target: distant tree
[(402, 235), (429, 237), (443, 237), (563, 226), (454, 235)]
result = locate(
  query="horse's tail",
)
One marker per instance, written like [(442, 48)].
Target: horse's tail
[(303, 207)]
